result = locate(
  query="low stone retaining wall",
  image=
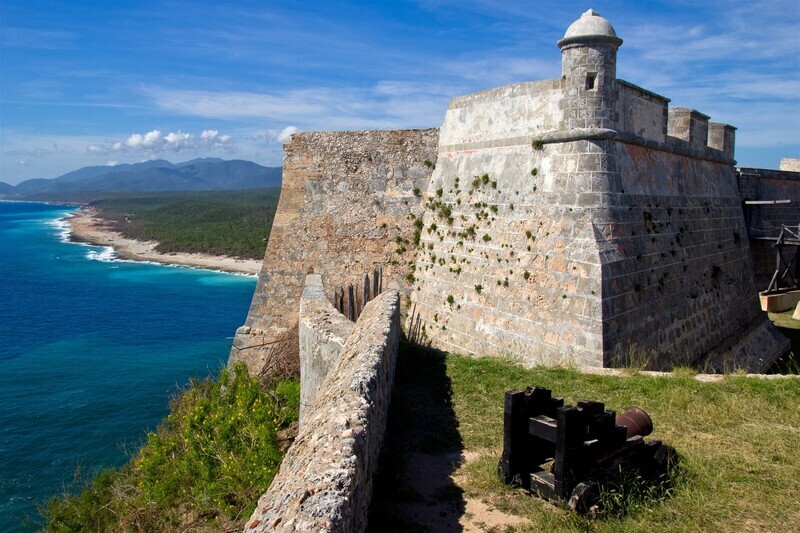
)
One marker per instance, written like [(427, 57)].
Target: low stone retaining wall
[(325, 480)]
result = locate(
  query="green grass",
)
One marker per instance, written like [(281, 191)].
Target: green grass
[(785, 320), (203, 469), (738, 440), (234, 223), (791, 328)]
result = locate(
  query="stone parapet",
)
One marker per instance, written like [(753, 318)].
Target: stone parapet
[(322, 331), (722, 137), (790, 164), (325, 480)]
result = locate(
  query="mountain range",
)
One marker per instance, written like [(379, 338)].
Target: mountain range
[(206, 174)]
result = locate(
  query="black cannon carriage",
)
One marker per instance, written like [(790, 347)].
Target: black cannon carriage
[(573, 453)]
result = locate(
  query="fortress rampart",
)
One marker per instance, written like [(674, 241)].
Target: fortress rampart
[(345, 200), (580, 219)]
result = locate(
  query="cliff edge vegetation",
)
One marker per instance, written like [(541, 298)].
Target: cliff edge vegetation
[(202, 469)]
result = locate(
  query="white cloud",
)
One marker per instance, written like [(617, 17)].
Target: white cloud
[(153, 143), (285, 133), (386, 104), (43, 156)]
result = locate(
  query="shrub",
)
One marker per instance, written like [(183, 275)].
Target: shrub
[(207, 463)]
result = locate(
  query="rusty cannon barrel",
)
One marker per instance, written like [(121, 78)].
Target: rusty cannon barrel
[(636, 420)]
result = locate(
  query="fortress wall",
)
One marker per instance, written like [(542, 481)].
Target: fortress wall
[(509, 264), (325, 479), (765, 220), (518, 259), (677, 280), (641, 112), (610, 246), (345, 199)]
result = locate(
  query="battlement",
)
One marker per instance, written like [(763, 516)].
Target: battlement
[(592, 96)]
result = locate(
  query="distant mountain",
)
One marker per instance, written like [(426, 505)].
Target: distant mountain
[(93, 172), (205, 174), (201, 160)]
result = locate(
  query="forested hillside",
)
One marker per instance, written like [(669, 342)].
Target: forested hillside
[(234, 223)]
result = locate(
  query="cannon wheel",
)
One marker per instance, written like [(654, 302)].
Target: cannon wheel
[(584, 498)]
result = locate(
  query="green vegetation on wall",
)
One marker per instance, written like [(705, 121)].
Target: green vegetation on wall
[(205, 467), (234, 223)]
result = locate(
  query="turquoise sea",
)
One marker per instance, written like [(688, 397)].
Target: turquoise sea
[(90, 351)]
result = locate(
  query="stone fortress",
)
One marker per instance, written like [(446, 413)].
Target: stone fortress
[(574, 220)]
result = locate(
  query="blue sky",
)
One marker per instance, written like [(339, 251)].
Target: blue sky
[(98, 82)]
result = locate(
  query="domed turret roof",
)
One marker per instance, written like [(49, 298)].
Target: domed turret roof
[(591, 26)]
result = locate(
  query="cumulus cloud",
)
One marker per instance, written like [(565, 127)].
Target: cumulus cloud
[(286, 132), (154, 142)]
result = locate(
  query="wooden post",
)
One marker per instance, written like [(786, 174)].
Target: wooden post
[(351, 304), (568, 437)]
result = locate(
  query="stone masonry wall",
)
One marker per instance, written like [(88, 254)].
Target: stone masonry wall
[(346, 199), (552, 243), (766, 220), (325, 480), (677, 275), (790, 164), (322, 332), (508, 261), (642, 112)]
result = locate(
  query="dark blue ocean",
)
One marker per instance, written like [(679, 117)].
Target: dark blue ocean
[(91, 350)]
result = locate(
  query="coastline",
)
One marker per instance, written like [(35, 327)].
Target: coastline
[(86, 227)]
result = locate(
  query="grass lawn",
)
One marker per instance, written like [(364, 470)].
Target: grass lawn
[(738, 441), (791, 328), (785, 320)]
